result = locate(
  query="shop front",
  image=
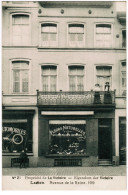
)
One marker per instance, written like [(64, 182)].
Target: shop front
[(75, 138), (17, 134)]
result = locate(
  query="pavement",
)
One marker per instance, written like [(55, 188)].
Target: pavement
[(68, 171)]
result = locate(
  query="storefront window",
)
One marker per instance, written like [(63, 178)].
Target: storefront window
[(16, 136), (67, 137)]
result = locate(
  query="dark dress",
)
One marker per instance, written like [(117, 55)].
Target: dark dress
[(23, 157)]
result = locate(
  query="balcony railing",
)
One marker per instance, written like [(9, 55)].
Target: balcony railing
[(76, 98)]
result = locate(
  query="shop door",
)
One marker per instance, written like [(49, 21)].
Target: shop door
[(104, 139), (122, 140)]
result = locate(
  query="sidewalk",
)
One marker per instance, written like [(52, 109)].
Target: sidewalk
[(92, 171)]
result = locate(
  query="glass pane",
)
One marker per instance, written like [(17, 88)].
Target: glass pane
[(20, 19), (16, 75), (72, 83), (16, 87), (16, 19), (67, 138), (103, 28), (52, 37), (24, 86), (25, 19), (49, 28), (24, 76), (53, 70), (44, 37), (80, 37), (53, 83), (124, 38), (76, 28), (123, 79), (15, 137), (72, 37), (80, 86), (72, 70), (80, 70), (45, 83), (45, 70)]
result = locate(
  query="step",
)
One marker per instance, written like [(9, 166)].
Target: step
[(104, 162)]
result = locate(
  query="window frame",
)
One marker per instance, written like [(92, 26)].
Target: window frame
[(40, 35), (121, 44), (84, 75), (11, 28), (95, 73), (84, 34), (48, 65), (29, 75), (95, 42), (122, 70)]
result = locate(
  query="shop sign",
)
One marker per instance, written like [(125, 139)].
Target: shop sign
[(14, 130), (77, 130)]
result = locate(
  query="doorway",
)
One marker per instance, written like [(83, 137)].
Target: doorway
[(105, 139), (122, 140)]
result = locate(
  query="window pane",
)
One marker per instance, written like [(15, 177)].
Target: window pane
[(20, 19), (45, 83), (25, 87), (76, 28), (53, 83), (53, 37), (67, 138), (16, 87), (80, 86), (124, 38), (44, 37), (52, 28), (123, 79), (16, 136), (103, 28), (53, 70), (16, 75), (72, 37), (80, 37), (72, 83)]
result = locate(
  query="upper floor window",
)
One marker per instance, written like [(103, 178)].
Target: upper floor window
[(49, 78), (123, 38), (76, 35), (103, 37), (20, 76), (103, 75), (49, 35), (123, 78), (76, 78), (20, 29)]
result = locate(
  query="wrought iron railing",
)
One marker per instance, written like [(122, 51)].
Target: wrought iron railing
[(75, 98)]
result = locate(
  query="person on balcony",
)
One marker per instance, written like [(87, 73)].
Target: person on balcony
[(97, 90), (107, 95)]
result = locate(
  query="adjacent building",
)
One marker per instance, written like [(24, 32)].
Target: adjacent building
[(54, 53)]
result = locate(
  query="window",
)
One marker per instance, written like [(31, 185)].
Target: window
[(49, 35), (76, 35), (103, 35), (76, 78), (103, 75), (20, 29), (123, 38), (123, 78), (20, 76), (16, 135), (67, 137), (49, 77)]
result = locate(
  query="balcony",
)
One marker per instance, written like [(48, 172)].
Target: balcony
[(88, 4), (87, 98)]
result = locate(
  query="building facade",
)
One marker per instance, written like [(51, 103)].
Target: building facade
[(54, 55)]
